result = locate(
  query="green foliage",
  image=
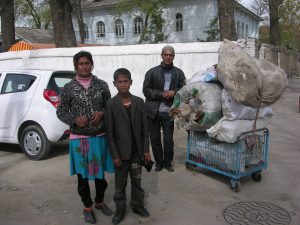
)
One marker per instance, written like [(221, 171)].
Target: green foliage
[(33, 13), (289, 13), (212, 30), (152, 17)]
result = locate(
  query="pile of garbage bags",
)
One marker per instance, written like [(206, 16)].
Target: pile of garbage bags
[(231, 97)]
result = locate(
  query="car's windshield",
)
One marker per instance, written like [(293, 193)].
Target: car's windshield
[(58, 80)]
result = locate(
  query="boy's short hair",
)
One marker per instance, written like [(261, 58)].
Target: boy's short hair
[(122, 71), (82, 54)]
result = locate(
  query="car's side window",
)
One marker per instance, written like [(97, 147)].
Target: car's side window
[(17, 83)]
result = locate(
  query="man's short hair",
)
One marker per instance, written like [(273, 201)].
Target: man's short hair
[(82, 54), (168, 48), (122, 71)]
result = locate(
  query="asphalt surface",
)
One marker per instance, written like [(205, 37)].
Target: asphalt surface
[(43, 193)]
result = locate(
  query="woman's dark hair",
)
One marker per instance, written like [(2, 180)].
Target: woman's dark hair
[(122, 71), (82, 54)]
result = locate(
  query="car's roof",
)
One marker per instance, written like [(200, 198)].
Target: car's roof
[(36, 70)]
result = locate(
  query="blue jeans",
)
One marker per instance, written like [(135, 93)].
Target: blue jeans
[(163, 154)]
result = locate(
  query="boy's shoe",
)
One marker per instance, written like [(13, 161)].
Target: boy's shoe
[(89, 216), (118, 217), (170, 168), (104, 209), (158, 168), (141, 211)]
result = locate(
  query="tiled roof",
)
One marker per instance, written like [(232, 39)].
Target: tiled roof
[(32, 35), (102, 3)]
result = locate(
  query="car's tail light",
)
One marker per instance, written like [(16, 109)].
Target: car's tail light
[(52, 97)]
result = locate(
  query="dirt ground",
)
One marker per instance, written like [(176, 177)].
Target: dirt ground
[(43, 193)]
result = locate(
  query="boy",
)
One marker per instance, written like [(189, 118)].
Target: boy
[(128, 140)]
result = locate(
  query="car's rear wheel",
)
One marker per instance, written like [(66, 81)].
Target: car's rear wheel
[(34, 142)]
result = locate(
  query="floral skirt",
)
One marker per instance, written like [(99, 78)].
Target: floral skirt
[(90, 157)]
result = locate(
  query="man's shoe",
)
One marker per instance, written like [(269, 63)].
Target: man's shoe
[(104, 209), (170, 168), (141, 211), (158, 168), (118, 217), (89, 216)]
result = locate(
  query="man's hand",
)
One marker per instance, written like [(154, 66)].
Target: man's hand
[(168, 94), (96, 118), (147, 157), (81, 121), (118, 163)]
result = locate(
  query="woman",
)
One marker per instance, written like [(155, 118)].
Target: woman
[(81, 106)]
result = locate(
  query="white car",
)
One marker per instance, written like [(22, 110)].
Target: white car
[(28, 109)]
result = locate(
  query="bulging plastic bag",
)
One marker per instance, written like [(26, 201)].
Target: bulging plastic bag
[(197, 106)]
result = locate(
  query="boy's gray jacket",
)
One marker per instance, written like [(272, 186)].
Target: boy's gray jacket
[(118, 131)]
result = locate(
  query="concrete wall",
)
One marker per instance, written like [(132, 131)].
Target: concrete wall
[(190, 57), (281, 57)]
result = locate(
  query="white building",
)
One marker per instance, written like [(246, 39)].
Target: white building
[(185, 21)]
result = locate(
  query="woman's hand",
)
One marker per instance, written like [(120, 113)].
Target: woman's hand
[(81, 121), (96, 118)]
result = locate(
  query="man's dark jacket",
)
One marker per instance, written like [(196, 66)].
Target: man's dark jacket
[(153, 87)]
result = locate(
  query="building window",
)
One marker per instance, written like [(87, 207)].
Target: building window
[(178, 22), (100, 27), (119, 28), (138, 25), (247, 31), (86, 31), (243, 31), (238, 30)]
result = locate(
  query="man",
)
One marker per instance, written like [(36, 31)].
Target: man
[(160, 86)]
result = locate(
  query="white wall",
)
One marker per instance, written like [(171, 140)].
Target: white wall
[(190, 57)]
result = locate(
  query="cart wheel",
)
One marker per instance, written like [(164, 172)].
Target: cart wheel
[(235, 185), (190, 166), (256, 176)]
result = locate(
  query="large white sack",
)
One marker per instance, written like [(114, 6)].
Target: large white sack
[(233, 110), (250, 81), (239, 73), (230, 130), (274, 81)]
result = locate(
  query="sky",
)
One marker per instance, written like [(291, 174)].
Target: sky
[(246, 3)]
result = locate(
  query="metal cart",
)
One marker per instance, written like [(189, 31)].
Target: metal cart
[(247, 156)]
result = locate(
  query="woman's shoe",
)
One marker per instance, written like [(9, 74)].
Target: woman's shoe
[(89, 216)]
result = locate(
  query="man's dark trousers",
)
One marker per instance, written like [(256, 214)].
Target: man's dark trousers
[(163, 155), (134, 168)]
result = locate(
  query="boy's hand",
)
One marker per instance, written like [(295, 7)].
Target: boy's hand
[(147, 157), (96, 118), (118, 162), (81, 121)]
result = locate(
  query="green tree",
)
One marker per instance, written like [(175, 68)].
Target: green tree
[(64, 35), (7, 24), (275, 38), (152, 17), (76, 6), (227, 22), (289, 13), (212, 30), (33, 13)]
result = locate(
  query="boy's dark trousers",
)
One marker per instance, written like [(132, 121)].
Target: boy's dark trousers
[(163, 155), (85, 193), (134, 168)]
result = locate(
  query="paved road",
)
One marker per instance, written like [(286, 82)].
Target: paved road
[(42, 193)]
